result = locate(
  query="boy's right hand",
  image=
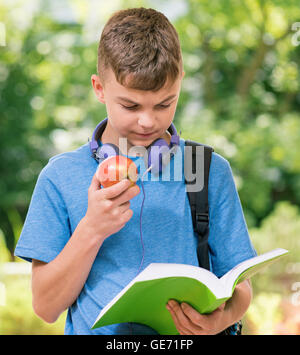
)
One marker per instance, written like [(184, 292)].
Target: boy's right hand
[(109, 208)]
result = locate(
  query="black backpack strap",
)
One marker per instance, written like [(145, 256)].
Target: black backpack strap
[(199, 203), (200, 215)]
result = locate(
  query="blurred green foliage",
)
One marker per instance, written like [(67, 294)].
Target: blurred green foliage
[(240, 95), (273, 288), (17, 317)]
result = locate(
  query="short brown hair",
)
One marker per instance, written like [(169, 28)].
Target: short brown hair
[(141, 47)]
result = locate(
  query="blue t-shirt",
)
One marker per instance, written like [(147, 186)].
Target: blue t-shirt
[(60, 201)]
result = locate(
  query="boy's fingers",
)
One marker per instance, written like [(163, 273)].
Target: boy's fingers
[(116, 189), (95, 183), (180, 321)]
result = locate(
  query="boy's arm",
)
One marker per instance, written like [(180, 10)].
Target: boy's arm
[(190, 322), (57, 284)]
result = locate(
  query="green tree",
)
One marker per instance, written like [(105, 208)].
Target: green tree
[(241, 94)]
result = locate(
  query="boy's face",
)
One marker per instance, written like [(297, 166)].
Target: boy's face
[(140, 116)]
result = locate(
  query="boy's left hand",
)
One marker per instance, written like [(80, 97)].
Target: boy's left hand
[(188, 321)]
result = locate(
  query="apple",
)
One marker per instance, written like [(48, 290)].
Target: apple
[(116, 168)]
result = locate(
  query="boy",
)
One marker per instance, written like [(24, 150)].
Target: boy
[(84, 241)]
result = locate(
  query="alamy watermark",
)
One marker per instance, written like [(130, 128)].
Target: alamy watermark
[(2, 34), (296, 35), (173, 163)]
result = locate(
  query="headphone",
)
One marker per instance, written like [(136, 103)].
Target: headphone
[(157, 156)]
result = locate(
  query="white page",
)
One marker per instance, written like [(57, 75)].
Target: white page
[(229, 278)]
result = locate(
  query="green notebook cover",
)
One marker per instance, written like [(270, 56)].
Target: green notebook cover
[(144, 299)]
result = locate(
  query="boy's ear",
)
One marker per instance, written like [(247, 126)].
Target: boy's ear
[(98, 88)]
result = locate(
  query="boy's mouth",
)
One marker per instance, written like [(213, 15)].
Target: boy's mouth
[(145, 135)]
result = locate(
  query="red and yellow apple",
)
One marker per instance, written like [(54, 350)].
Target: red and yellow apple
[(116, 168)]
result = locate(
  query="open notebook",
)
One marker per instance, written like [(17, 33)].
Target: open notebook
[(144, 299)]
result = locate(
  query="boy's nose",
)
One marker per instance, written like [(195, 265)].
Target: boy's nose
[(146, 122)]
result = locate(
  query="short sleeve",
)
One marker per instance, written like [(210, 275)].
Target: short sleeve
[(46, 229), (229, 240)]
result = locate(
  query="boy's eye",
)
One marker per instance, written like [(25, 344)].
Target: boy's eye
[(164, 106), (135, 107), (129, 107)]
